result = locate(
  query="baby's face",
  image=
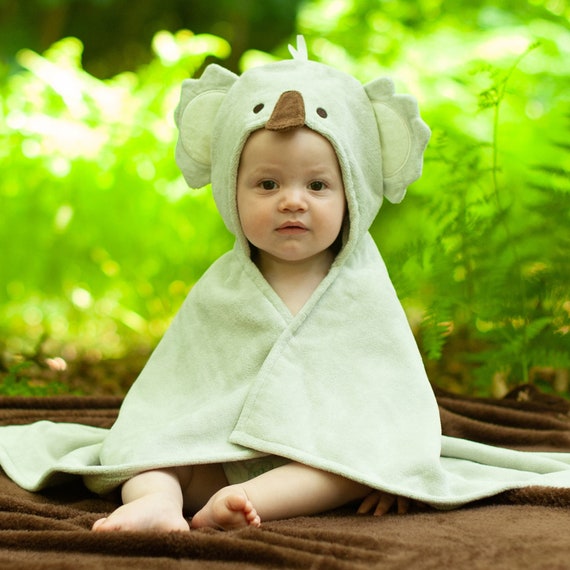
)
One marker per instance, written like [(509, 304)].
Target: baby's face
[(290, 194)]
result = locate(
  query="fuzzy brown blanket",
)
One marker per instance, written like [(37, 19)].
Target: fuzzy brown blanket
[(527, 528)]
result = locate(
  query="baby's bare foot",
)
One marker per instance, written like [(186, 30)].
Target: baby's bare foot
[(228, 509), (151, 512)]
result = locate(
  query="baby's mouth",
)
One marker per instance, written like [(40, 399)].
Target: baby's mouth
[(292, 227)]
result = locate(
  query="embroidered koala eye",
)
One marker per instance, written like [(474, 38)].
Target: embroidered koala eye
[(258, 107), (322, 113)]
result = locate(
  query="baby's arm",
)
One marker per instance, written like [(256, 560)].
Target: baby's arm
[(151, 500)]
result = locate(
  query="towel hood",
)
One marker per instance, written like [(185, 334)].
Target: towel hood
[(378, 135)]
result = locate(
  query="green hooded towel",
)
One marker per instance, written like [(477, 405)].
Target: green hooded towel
[(339, 386)]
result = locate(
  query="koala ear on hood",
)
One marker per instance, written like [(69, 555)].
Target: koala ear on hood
[(403, 136), (200, 100)]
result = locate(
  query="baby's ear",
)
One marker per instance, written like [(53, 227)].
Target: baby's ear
[(200, 100), (403, 137)]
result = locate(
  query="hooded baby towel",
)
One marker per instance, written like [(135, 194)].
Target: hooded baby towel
[(340, 385)]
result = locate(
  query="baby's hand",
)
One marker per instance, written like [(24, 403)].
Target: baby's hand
[(379, 503)]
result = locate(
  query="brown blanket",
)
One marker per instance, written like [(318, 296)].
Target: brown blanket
[(527, 528)]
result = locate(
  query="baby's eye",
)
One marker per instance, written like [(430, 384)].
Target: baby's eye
[(317, 185), (268, 184)]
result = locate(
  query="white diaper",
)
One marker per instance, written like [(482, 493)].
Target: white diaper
[(241, 471)]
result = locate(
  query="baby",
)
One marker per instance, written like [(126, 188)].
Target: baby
[(262, 400), (289, 382), (292, 209)]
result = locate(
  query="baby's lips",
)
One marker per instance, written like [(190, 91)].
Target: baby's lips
[(292, 224)]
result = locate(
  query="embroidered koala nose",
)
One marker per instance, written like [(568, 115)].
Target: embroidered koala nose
[(289, 112)]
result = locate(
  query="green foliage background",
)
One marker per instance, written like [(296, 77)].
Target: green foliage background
[(101, 239)]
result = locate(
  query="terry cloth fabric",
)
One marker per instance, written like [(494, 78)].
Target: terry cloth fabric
[(340, 385), (526, 528)]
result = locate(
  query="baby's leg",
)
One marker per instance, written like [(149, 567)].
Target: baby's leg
[(151, 501), (155, 500), (291, 490)]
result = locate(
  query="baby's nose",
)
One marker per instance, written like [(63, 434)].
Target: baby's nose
[(293, 199)]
